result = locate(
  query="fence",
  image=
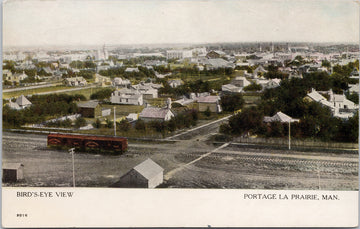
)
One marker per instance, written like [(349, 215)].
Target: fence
[(298, 143)]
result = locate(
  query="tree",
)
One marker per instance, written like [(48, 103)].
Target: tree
[(232, 102), (97, 124), (109, 123), (124, 125), (207, 112), (249, 120), (253, 87), (140, 125), (79, 122), (102, 94)]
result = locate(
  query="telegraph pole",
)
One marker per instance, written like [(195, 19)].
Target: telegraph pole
[(114, 121), (289, 136), (72, 152)]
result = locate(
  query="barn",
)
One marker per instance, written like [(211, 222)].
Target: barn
[(90, 109), (147, 174), (12, 172)]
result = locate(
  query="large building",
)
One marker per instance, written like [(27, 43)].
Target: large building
[(178, 54)]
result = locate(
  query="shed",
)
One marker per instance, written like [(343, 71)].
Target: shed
[(90, 109), (12, 172), (147, 174)]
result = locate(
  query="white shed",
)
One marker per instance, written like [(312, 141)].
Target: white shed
[(147, 174)]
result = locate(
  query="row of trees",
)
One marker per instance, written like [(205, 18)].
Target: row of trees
[(317, 124), (184, 119), (43, 106)]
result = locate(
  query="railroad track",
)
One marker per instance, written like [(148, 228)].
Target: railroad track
[(277, 160)]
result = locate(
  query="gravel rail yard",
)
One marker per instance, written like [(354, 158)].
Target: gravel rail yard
[(187, 164)]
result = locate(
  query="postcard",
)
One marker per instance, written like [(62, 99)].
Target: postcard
[(178, 113)]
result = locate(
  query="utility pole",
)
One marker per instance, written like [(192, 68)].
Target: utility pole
[(114, 121), (72, 152), (289, 135)]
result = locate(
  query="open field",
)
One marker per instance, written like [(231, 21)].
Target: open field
[(7, 95), (187, 164)]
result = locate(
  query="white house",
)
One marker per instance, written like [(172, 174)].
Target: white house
[(75, 81), (119, 82), (127, 96), (149, 114), (240, 81), (132, 70), (175, 83)]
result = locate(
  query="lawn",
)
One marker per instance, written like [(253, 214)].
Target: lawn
[(7, 95)]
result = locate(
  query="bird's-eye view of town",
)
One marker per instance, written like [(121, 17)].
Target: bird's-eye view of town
[(242, 104)]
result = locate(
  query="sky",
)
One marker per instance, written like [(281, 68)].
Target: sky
[(97, 22)]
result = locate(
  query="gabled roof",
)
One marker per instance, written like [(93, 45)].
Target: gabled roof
[(208, 99), (23, 101), (12, 165), (89, 104), (314, 95), (14, 106), (154, 112), (279, 117), (148, 169)]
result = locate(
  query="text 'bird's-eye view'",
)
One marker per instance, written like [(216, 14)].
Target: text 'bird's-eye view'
[(206, 94)]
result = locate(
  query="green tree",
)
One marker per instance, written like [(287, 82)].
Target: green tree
[(97, 124), (232, 102), (79, 122)]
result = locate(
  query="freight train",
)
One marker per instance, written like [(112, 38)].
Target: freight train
[(88, 143)]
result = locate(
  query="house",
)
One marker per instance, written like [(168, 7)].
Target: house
[(90, 109), (353, 88), (279, 117), (102, 79), (75, 81), (149, 114), (339, 105), (175, 83), (341, 102), (217, 63), (132, 70), (147, 90), (17, 77), (272, 83), (119, 82), (213, 54), (118, 97), (259, 71), (209, 102), (240, 82), (147, 174), (7, 74), (23, 102), (12, 172), (231, 88)]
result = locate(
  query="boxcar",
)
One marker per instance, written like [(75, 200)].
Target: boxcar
[(88, 143)]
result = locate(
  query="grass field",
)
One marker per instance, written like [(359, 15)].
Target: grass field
[(7, 95)]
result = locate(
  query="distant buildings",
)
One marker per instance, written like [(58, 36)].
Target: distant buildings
[(178, 54), (75, 81)]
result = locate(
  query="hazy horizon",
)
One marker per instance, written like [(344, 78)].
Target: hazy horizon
[(69, 23)]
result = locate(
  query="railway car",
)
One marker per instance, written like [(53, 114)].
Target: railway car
[(89, 143)]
